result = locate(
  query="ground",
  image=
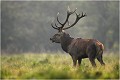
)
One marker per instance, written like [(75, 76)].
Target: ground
[(56, 66)]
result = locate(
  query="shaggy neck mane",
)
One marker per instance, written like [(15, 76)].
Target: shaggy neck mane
[(65, 42)]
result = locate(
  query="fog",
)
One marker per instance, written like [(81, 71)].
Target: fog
[(26, 25)]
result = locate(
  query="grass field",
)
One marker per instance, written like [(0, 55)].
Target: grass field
[(56, 66)]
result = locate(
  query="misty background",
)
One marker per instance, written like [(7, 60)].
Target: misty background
[(26, 25)]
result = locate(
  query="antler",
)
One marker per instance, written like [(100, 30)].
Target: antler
[(55, 27), (68, 15), (78, 17)]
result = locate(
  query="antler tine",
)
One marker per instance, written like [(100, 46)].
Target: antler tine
[(54, 27), (83, 15), (58, 19), (68, 23), (68, 15), (68, 9), (80, 16), (72, 11)]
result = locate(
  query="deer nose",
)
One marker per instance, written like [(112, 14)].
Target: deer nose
[(50, 38)]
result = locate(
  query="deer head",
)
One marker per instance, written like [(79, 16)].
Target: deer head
[(57, 37)]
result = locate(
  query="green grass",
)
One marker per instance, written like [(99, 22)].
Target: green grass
[(56, 66)]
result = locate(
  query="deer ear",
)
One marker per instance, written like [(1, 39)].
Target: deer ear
[(68, 35)]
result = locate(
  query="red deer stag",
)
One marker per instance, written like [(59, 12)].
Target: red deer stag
[(78, 48)]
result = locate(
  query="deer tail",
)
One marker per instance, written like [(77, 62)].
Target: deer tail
[(99, 48)]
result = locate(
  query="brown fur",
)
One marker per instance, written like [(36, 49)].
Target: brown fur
[(78, 48), (81, 48)]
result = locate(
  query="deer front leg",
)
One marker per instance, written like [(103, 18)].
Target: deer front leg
[(74, 61), (79, 61)]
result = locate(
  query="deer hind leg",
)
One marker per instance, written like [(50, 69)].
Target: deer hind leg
[(92, 60), (99, 58), (91, 57)]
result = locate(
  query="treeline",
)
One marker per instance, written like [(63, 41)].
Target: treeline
[(26, 25)]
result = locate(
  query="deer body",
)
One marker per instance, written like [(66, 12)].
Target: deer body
[(78, 48)]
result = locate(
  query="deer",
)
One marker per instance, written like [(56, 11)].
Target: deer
[(77, 48)]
